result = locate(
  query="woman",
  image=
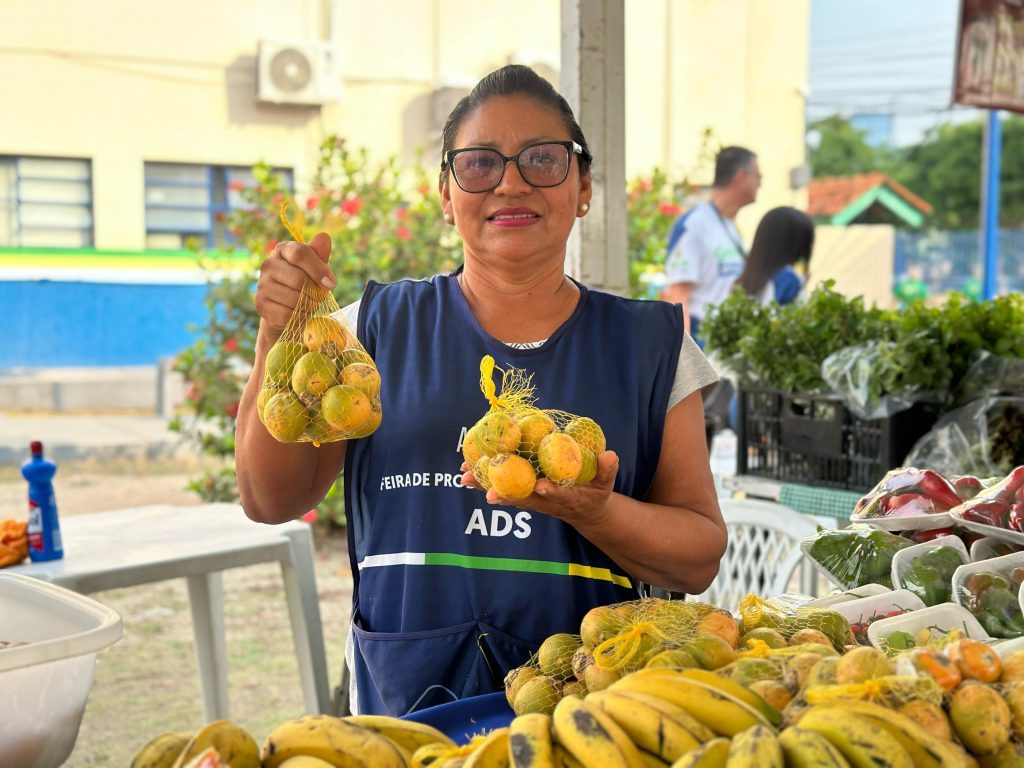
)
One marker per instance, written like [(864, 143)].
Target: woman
[(452, 587), (784, 237)]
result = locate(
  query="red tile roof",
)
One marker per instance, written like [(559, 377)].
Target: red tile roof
[(829, 196)]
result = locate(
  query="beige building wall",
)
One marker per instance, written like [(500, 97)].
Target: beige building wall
[(855, 257), (124, 82)]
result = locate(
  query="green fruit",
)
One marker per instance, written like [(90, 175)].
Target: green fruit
[(281, 360), (588, 434), (313, 374), (285, 417)]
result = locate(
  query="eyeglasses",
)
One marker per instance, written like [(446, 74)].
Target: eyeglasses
[(479, 169)]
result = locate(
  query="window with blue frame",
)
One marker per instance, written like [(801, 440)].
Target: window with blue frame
[(45, 202), (190, 202)]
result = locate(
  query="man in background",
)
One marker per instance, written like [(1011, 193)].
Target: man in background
[(705, 250)]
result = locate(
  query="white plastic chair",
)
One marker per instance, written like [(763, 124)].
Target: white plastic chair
[(763, 552)]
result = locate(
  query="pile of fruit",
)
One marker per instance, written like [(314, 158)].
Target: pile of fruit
[(322, 389)]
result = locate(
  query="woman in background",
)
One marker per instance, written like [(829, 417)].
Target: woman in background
[(784, 237)]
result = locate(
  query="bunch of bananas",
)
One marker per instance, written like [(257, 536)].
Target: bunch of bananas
[(314, 741)]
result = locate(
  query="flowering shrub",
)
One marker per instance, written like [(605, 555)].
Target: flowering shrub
[(379, 229)]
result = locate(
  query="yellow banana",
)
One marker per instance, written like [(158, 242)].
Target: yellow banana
[(586, 735), (407, 734), (711, 754), (723, 714), (648, 727), (232, 742), (924, 748), (564, 758), (529, 741), (333, 740), (756, 747), (700, 731), (734, 689), (647, 760), (431, 755), (809, 749), (161, 751), (863, 742), (492, 752), (305, 761)]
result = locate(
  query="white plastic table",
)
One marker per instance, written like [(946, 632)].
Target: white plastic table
[(140, 545)]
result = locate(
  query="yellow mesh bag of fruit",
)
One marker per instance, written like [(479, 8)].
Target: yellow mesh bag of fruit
[(757, 612), (893, 691), (320, 385), (617, 639), (515, 443)]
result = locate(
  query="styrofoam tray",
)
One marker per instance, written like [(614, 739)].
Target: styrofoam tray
[(46, 682), (849, 595), (944, 617), (1005, 647), (985, 548), (903, 560), (858, 611), (1001, 565), (908, 522), (995, 532)]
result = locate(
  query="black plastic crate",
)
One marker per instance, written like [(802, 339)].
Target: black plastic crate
[(816, 440)]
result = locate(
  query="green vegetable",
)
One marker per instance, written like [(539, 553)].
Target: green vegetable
[(927, 582), (900, 641), (858, 555), (944, 559)]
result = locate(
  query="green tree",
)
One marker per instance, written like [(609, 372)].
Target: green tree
[(842, 149), (945, 169)]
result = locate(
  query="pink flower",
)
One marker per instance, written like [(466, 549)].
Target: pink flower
[(271, 246), (311, 202), (192, 393), (232, 410), (231, 345), (400, 213), (278, 198), (403, 234), (644, 185), (236, 185), (352, 206), (669, 209), (310, 517)]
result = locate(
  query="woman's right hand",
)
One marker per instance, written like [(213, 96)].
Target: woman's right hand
[(283, 274)]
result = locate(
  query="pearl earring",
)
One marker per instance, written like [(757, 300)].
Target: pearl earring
[(584, 208), (447, 217)]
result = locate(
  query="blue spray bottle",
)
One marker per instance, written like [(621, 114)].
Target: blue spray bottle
[(43, 527)]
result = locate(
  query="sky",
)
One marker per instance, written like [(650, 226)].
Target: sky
[(885, 56)]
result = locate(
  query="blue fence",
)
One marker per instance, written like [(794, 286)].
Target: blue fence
[(49, 323), (953, 261)]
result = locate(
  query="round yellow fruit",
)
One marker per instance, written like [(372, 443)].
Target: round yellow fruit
[(511, 476), (533, 427), (326, 334), (560, 458), (587, 433), (280, 360), (285, 417), (372, 421), (471, 452), (346, 408), (313, 374), (264, 397), (497, 432), (589, 469), (361, 376), (481, 472)]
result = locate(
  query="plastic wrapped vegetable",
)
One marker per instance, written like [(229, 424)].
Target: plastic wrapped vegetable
[(1001, 505), (993, 600), (930, 575), (857, 555), (905, 492)]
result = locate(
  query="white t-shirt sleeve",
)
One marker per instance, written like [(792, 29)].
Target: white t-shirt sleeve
[(693, 372), (350, 314)]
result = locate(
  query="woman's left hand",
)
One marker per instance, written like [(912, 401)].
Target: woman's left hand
[(575, 504)]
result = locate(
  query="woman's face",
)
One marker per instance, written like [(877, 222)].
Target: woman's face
[(543, 217)]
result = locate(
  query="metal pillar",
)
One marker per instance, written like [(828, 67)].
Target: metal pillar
[(990, 204)]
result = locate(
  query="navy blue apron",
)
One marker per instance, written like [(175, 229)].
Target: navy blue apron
[(450, 592)]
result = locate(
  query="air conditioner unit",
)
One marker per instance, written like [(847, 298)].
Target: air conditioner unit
[(298, 72)]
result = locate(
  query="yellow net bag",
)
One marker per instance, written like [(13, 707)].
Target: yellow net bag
[(615, 640), (800, 622), (320, 385), (515, 442)]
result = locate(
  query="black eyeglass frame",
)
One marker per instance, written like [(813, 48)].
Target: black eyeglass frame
[(572, 147)]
